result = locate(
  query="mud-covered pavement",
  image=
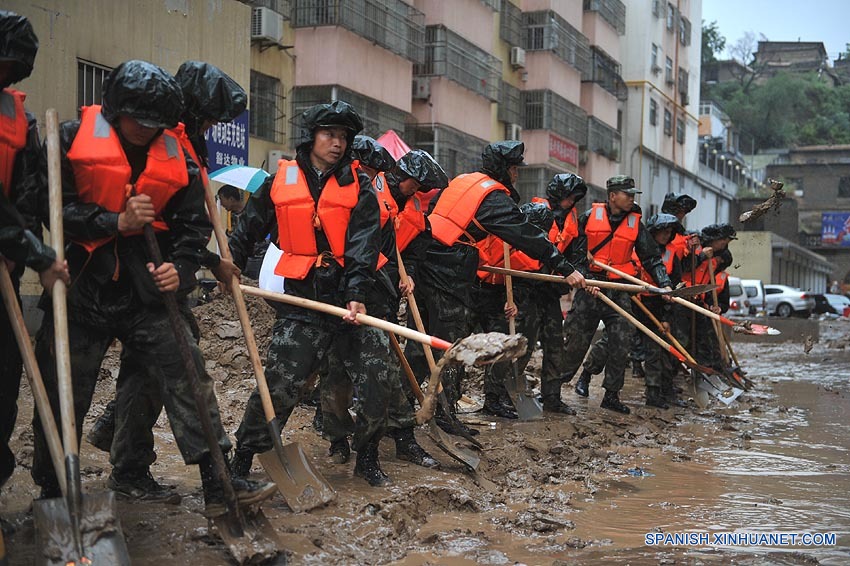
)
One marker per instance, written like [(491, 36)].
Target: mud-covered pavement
[(554, 491)]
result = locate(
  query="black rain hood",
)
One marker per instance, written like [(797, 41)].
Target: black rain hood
[(208, 94), (418, 164), (678, 202), (564, 185), (372, 154), (538, 214), (19, 44), (663, 220), (143, 91), (497, 157)]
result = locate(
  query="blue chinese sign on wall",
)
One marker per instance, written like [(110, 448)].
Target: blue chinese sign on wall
[(227, 144), (835, 229)]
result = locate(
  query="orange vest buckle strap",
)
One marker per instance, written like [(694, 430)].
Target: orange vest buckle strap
[(617, 252), (458, 204), (13, 133), (102, 172)]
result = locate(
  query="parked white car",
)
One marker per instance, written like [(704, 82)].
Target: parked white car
[(755, 294), (785, 301), (739, 305), (838, 303)]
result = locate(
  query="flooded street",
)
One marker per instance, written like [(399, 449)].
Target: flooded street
[(585, 489)]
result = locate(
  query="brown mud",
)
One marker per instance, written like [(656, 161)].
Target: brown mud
[(553, 491)]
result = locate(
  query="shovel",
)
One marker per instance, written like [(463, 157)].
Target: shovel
[(302, 486), (527, 406), (723, 342), (75, 529), (429, 356), (443, 441)]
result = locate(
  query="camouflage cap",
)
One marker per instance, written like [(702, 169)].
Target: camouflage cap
[(622, 183)]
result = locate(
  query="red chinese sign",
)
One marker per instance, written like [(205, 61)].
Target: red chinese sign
[(563, 150)]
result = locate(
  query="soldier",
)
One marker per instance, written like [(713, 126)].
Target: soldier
[(609, 233), (329, 230), (474, 206), (117, 291), (680, 205)]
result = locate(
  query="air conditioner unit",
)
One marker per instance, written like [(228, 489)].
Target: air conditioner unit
[(517, 57), (266, 25), (513, 131), (421, 88), (275, 155)]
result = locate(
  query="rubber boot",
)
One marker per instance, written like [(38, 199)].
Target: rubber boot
[(582, 387), (655, 398), (406, 448), (612, 402), (452, 426), (552, 403), (247, 492), (240, 463), (103, 429), (340, 451), (368, 467), (493, 405), (141, 486)]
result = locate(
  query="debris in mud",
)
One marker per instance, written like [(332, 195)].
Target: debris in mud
[(808, 344), (639, 473), (775, 201)]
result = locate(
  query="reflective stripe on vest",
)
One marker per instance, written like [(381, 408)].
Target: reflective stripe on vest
[(458, 204), (410, 222), (618, 251), (102, 173), (13, 134)]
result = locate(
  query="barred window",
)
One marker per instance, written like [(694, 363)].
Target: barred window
[(612, 11), (545, 110), (653, 112), (668, 71), (533, 180), (392, 24), (450, 55), (510, 24), (605, 72), (267, 113), (510, 110), (455, 151), (603, 139), (547, 31), (89, 82)]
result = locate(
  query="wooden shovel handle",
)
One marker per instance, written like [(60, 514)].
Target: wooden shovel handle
[(414, 311), (509, 287)]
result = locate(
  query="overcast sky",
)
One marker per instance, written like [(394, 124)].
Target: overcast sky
[(783, 20)]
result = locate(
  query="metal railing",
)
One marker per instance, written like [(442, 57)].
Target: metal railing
[(605, 71), (510, 24), (547, 31), (612, 11), (533, 180), (450, 55), (603, 139), (545, 110), (510, 108), (455, 151), (392, 24), (377, 117)]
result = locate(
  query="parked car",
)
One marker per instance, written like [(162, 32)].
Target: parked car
[(821, 305), (755, 294), (785, 301), (838, 304), (739, 305)]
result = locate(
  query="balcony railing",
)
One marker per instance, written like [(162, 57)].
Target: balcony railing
[(545, 110), (392, 24), (612, 11), (456, 151), (448, 54), (510, 24), (547, 31), (603, 139), (605, 71), (510, 108)]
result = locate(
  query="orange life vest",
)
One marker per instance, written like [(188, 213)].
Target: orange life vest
[(617, 252), (491, 251), (458, 204), (410, 222), (386, 202), (561, 237), (180, 131), (13, 133), (679, 243), (298, 218), (702, 274), (102, 172), (720, 279), (667, 257)]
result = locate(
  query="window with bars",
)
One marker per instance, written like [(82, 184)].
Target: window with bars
[(455, 151), (653, 112), (510, 24), (450, 55), (392, 24), (603, 139), (605, 72), (680, 130), (547, 31), (545, 110), (668, 122), (89, 82), (533, 180), (267, 115), (668, 71), (510, 110), (612, 11)]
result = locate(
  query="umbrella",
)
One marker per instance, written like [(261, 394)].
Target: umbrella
[(240, 176), (394, 144)]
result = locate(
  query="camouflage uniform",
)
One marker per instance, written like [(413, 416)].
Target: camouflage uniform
[(540, 318), (489, 316)]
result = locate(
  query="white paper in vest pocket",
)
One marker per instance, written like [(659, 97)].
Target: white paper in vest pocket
[(268, 280)]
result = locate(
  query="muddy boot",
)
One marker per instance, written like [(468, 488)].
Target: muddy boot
[(142, 487), (452, 426), (247, 492), (240, 463), (340, 451), (368, 468), (406, 448), (493, 405), (637, 370), (551, 405), (100, 435), (583, 384), (318, 419), (612, 402), (655, 398)]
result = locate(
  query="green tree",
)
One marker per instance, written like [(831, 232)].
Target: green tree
[(713, 43)]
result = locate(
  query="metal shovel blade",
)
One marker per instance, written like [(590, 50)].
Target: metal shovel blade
[(700, 389), (100, 531), (258, 542), (721, 391), (301, 485), (686, 292), (447, 444), (526, 404)]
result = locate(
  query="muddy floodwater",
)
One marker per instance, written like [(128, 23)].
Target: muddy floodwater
[(587, 489)]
